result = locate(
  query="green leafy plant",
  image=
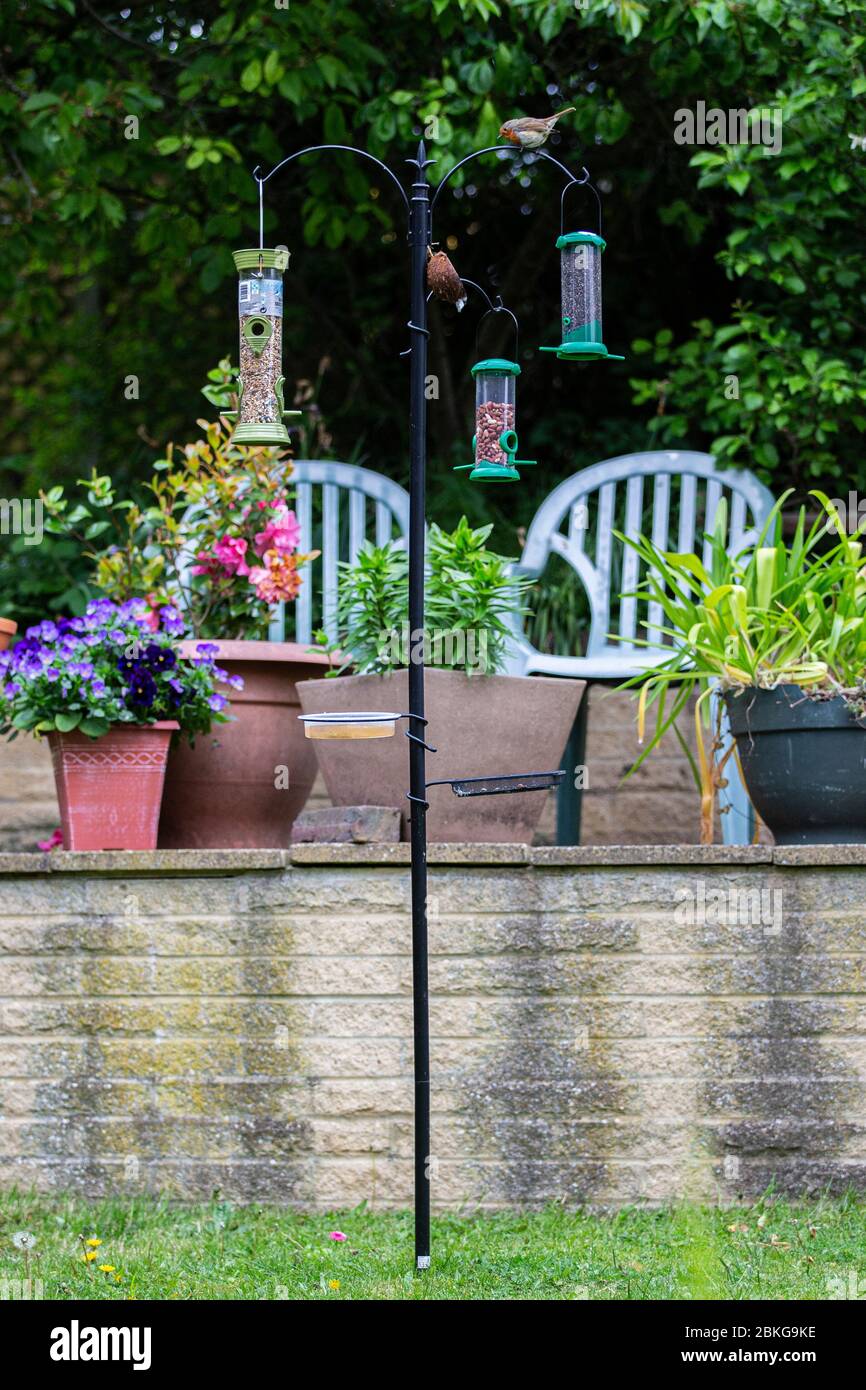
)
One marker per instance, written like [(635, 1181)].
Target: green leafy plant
[(470, 595), (776, 614), (213, 536)]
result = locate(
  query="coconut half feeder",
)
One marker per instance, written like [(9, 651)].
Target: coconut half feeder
[(261, 405)]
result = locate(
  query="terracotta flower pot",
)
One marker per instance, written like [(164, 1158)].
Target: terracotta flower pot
[(8, 629), (478, 724), (110, 788), (226, 792)]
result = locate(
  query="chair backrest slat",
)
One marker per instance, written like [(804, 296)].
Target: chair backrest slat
[(660, 530), (688, 509), (633, 517), (357, 523), (714, 497)]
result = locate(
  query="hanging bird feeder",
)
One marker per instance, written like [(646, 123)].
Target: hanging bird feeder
[(495, 442), (261, 406), (580, 265)]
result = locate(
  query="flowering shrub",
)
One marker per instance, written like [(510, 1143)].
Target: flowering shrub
[(216, 540), (113, 665)]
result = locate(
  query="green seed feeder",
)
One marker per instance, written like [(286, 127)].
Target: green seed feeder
[(580, 265), (495, 439), (261, 407)]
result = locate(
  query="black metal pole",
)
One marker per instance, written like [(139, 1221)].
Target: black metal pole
[(419, 240)]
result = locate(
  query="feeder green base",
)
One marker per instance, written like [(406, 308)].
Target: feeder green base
[(489, 472), (585, 352), (494, 472), (263, 434)]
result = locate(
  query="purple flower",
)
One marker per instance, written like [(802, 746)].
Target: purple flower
[(217, 702), (52, 674), (171, 621), (116, 634), (159, 658), (207, 649), (80, 668), (97, 687), (142, 689), (11, 689)]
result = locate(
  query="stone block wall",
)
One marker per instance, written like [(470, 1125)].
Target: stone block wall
[(608, 1026)]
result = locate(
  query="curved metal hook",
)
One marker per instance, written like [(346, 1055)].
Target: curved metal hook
[(500, 308), (261, 180), (579, 183), (506, 149)]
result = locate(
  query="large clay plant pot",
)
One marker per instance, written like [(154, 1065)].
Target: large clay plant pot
[(804, 763), (479, 725), (110, 788), (8, 629), (228, 791)]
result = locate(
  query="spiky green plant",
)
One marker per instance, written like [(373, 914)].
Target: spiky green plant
[(775, 614)]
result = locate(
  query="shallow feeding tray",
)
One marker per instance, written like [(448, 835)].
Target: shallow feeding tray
[(357, 724), (501, 786)]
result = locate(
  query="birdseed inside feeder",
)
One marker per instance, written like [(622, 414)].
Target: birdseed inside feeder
[(495, 440), (261, 407), (358, 724), (582, 339)]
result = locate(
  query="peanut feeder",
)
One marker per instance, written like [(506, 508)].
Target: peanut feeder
[(495, 439)]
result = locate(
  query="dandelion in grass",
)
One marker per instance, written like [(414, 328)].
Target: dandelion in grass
[(24, 1241), (333, 1284)]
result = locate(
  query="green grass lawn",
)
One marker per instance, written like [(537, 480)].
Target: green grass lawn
[(221, 1251)]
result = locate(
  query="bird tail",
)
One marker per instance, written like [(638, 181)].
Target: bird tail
[(565, 111)]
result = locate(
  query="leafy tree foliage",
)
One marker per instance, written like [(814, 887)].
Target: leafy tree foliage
[(129, 133)]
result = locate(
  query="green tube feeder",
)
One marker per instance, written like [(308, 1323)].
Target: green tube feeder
[(261, 406), (495, 439), (582, 340)]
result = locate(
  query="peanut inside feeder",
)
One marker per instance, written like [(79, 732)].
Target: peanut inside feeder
[(495, 442)]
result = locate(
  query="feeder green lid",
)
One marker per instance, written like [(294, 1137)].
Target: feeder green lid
[(584, 238), (269, 258), (497, 364)]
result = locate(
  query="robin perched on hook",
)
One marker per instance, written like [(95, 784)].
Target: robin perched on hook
[(531, 131)]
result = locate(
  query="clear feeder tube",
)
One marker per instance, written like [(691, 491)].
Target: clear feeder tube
[(495, 413), (260, 321), (580, 254)]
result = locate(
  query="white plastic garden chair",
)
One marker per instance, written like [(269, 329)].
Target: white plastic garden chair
[(356, 504), (577, 522)]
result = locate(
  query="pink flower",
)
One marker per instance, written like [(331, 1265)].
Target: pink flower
[(282, 533), (278, 580), (337, 1235), (205, 564), (54, 843), (231, 553)]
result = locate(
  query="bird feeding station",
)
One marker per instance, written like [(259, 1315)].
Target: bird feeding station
[(260, 420), (580, 278), (261, 406)]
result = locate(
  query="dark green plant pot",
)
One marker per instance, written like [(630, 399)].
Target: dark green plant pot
[(804, 762)]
